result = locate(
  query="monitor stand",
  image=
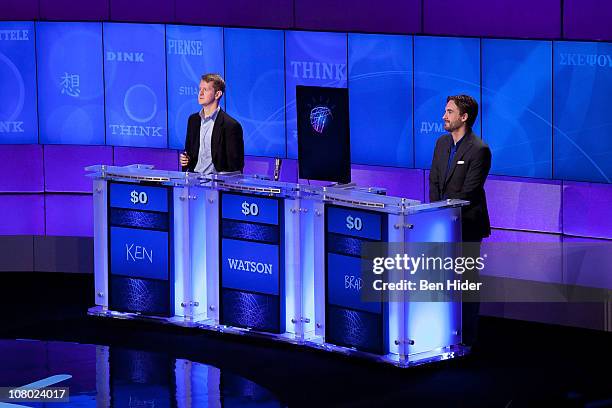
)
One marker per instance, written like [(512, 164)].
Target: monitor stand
[(343, 186), (353, 186)]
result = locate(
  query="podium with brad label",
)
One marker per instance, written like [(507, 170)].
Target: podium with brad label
[(350, 322), (348, 224)]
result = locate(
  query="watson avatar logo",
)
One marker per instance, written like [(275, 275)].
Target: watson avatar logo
[(320, 117)]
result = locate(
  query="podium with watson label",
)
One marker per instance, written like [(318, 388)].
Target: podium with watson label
[(254, 272), (252, 293), (245, 255)]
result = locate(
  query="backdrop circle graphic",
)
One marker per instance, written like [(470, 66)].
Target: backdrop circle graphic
[(139, 91), (19, 81)]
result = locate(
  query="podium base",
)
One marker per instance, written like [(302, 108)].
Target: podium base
[(314, 342)]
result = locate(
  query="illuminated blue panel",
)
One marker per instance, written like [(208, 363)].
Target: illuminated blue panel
[(256, 90), (443, 66), (138, 219), (139, 253), (71, 84), (433, 226), (380, 82), (343, 245), (252, 310), (18, 117), (432, 324), (250, 266), (353, 328), (583, 129), (344, 284), (249, 208), (191, 52), (314, 59), (517, 106), (352, 222), (146, 296), (135, 83), (137, 197), (254, 232)]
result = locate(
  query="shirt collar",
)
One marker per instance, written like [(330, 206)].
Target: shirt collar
[(213, 116), (456, 145)]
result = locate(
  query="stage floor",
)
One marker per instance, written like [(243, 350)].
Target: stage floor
[(56, 373), (518, 363)]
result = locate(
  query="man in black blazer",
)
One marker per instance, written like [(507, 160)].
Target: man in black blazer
[(214, 141), (459, 168)]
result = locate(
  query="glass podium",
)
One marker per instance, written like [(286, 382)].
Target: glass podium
[(143, 262), (245, 255)]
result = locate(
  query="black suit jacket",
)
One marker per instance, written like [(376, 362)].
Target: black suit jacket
[(463, 181), (227, 144)]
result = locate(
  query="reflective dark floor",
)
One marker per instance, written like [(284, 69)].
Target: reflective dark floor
[(520, 364), (102, 376)]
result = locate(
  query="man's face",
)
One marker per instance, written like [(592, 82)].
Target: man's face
[(453, 120), (207, 94)]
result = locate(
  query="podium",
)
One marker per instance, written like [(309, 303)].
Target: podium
[(245, 255), (142, 256)]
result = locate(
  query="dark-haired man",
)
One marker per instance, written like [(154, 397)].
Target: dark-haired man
[(459, 168), (214, 141)]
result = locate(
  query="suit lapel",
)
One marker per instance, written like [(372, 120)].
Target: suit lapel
[(446, 151), (196, 135), (216, 133), (464, 147)]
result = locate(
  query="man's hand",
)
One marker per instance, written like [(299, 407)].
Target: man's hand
[(184, 159)]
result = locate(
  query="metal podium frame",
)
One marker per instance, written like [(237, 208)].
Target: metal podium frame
[(195, 247)]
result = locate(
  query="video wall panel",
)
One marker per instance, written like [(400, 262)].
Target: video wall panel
[(542, 102), (583, 128), (18, 110), (256, 90), (437, 75), (380, 83), (517, 106), (135, 85), (70, 83), (190, 53)]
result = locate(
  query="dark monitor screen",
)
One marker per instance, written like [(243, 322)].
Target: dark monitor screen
[(324, 151)]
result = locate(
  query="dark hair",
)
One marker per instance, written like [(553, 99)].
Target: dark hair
[(217, 80), (466, 104)]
